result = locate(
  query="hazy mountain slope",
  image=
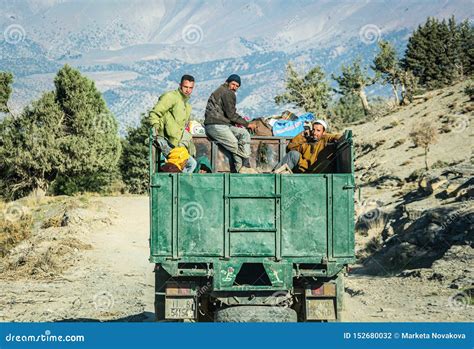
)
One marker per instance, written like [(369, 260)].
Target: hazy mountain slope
[(159, 40)]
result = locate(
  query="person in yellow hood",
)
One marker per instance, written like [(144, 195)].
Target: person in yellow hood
[(178, 156), (303, 150)]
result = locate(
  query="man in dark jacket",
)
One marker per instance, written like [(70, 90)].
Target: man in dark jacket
[(222, 121)]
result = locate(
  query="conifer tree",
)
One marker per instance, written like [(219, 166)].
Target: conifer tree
[(67, 138), (386, 67), (353, 80), (347, 109), (466, 38), (439, 53), (6, 80), (31, 148), (134, 160), (91, 145), (454, 51), (310, 92)]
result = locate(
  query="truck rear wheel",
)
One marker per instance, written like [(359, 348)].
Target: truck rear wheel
[(256, 313)]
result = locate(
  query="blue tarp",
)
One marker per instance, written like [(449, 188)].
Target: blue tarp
[(291, 128)]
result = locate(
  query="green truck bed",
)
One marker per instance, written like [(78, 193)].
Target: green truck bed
[(285, 225), (208, 217)]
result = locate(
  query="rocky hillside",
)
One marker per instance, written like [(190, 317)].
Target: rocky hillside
[(409, 217)]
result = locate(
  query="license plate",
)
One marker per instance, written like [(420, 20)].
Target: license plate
[(320, 309), (180, 308)]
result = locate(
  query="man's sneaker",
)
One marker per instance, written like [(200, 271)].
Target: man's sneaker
[(283, 169), (248, 170)]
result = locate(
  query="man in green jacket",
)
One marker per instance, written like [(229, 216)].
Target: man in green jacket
[(170, 116)]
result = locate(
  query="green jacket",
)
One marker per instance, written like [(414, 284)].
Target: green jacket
[(170, 115)]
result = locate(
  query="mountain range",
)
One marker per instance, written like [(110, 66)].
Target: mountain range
[(136, 50)]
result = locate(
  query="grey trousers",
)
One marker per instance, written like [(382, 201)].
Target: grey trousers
[(291, 159), (235, 139), (166, 147)]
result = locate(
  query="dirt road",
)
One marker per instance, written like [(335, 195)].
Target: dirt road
[(113, 280)]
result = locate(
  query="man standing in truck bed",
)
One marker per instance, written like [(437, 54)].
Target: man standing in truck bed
[(169, 117), (303, 150), (222, 121)]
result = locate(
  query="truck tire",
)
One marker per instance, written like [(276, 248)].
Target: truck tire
[(255, 313)]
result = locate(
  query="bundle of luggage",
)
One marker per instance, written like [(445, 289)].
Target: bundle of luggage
[(285, 125)]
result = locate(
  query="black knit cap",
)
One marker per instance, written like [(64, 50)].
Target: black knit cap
[(234, 77)]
